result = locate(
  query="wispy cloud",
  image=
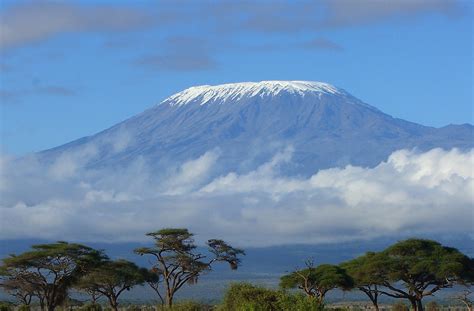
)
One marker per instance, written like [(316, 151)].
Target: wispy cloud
[(14, 96), (194, 33), (312, 16), (345, 13), (409, 194), (179, 61), (35, 21), (180, 53)]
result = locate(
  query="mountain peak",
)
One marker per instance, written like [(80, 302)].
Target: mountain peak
[(235, 91)]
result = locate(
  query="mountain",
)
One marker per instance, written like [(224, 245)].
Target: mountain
[(247, 123)]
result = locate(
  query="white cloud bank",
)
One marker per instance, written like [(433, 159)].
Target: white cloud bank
[(409, 194)]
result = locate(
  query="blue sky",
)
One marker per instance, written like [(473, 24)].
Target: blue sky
[(72, 68)]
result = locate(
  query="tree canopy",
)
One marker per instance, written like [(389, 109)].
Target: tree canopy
[(112, 278), (367, 273), (178, 262), (50, 269), (410, 269), (317, 281)]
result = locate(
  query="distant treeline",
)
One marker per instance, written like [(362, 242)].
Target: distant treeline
[(409, 270)]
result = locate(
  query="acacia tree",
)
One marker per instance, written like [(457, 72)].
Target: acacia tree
[(367, 272), (317, 281), (94, 294), (51, 269), (178, 262), (112, 278), (416, 268), (18, 285), (465, 299), (154, 280)]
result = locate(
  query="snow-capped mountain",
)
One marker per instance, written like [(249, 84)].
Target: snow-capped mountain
[(247, 123)]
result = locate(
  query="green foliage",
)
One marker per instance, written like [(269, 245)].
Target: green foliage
[(50, 270), (245, 296), (399, 306), (225, 253), (423, 267), (366, 270), (410, 269), (121, 274), (4, 306), (316, 282), (187, 306), (248, 297), (112, 278), (174, 239), (428, 261), (91, 307), (178, 263), (299, 302), (23, 308)]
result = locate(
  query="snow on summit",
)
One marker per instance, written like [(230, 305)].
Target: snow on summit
[(235, 91)]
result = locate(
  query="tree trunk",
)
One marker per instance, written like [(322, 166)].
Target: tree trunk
[(113, 303), (42, 304), (419, 305), (374, 299), (169, 299), (468, 305), (414, 306)]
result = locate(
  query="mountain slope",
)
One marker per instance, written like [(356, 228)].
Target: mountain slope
[(249, 122)]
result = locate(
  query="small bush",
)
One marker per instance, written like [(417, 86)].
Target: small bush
[(299, 302), (91, 307), (134, 308), (186, 306), (247, 297), (5, 306), (24, 308)]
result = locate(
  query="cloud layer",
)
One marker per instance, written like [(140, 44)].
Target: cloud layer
[(409, 194), (205, 27), (35, 21)]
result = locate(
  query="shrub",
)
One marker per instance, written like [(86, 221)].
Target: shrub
[(5, 306), (24, 308), (248, 297), (186, 306), (91, 307), (299, 302)]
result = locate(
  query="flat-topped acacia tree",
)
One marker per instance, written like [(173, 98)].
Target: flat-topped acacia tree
[(19, 285), (416, 268), (315, 282), (51, 269), (112, 278), (178, 262), (368, 274)]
